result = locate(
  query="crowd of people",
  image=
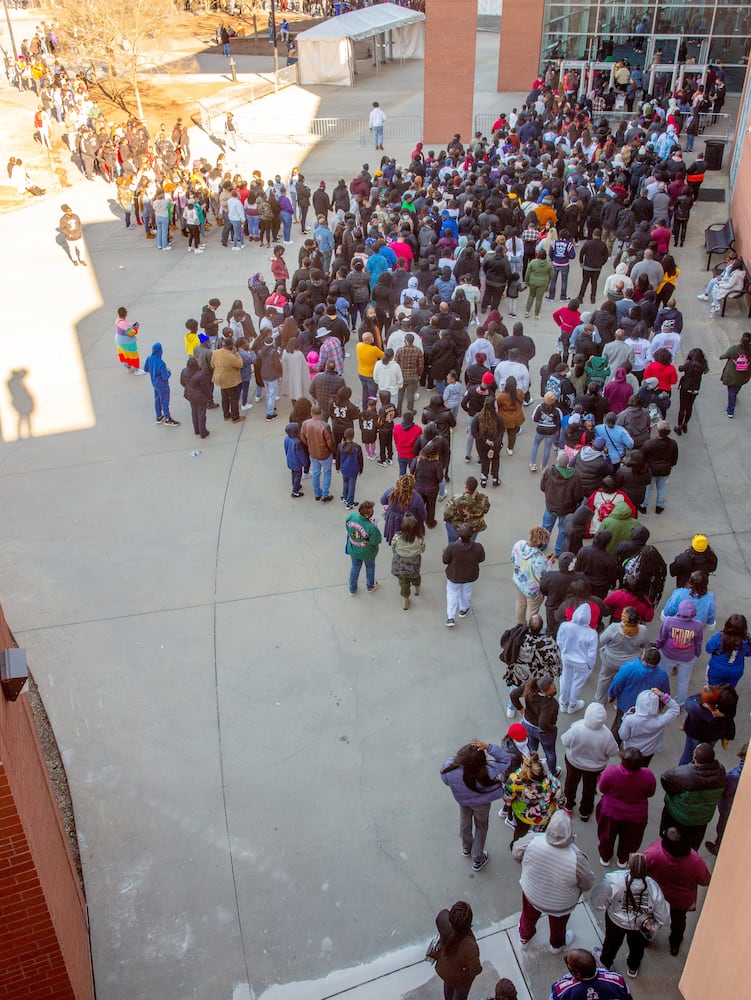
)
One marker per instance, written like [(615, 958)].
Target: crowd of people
[(407, 271)]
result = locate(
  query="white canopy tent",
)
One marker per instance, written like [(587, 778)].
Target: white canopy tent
[(326, 53)]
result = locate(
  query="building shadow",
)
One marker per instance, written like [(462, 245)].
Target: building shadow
[(21, 400)]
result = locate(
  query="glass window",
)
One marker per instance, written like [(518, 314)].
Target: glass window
[(729, 50), (731, 21)]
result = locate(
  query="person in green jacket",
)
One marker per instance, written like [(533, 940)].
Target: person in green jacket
[(538, 276), (363, 539), (737, 370), (621, 524)]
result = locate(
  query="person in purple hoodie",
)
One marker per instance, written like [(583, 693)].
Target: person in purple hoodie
[(680, 642), (476, 775)]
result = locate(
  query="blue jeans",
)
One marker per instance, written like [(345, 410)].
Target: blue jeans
[(161, 402), (440, 385), (254, 226), (348, 488), (287, 226), (535, 738), (369, 388), (547, 447), (225, 49), (354, 573), (453, 535), (689, 142), (378, 135), (237, 233), (661, 482), (403, 464), (563, 271), (548, 522), (162, 231), (272, 389), (244, 390), (733, 391), (318, 465)]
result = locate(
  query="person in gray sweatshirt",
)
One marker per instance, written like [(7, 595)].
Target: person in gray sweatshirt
[(621, 641), (589, 746), (554, 875), (644, 724)]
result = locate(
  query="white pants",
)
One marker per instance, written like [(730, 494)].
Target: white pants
[(458, 597), (573, 678)]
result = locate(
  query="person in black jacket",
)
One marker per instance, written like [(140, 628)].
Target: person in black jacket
[(520, 342), (633, 476), (692, 792), (661, 455), (442, 360), (487, 430), (554, 584), (199, 393), (536, 701), (592, 257), (600, 567), (462, 560), (563, 493), (698, 557)]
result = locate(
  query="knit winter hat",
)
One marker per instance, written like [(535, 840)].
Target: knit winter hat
[(488, 379), (517, 732), (699, 543)]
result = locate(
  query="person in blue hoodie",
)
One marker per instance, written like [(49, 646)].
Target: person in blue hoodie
[(634, 677), (476, 775), (297, 457), (159, 374), (349, 462)]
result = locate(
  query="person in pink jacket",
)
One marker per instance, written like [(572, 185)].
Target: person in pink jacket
[(679, 871)]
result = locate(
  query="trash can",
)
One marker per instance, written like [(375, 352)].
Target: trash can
[(713, 150)]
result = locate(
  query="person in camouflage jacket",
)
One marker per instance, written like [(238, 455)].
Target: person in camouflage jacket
[(469, 508)]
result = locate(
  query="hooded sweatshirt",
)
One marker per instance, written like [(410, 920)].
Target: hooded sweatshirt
[(294, 449), (157, 369), (618, 391), (554, 872), (643, 728), (562, 488), (589, 743), (577, 641), (634, 677), (592, 466), (620, 524), (529, 565), (680, 635)]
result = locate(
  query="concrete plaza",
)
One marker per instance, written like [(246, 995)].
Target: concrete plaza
[(253, 756)]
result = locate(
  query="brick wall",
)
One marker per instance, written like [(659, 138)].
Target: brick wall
[(449, 89), (44, 945)]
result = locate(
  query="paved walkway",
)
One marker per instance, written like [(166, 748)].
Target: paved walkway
[(253, 755)]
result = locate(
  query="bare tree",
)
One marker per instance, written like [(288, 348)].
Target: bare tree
[(120, 35)]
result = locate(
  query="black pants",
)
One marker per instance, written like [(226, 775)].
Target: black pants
[(679, 230), (677, 927), (386, 446), (614, 936), (489, 466), (231, 402), (588, 780), (492, 297), (303, 214), (430, 501), (589, 278), (194, 236), (198, 413), (685, 407)]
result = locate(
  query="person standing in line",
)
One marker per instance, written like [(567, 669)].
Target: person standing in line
[(407, 547), (622, 640), (692, 792), (504, 990), (531, 797), (349, 462), (635, 909), (375, 124), (680, 641), (226, 365), (535, 699), (529, 564), (70, 227), (725, 804), (458, 960), (316, 435), (476, 775), (198, 389), (160, 374), (633, 677), (469, 507), (555, 873), (586, 981), (577, 641), (589, 745), (462, 560), (363, 540), (679, 871), (294, 451), (737, 370), (623, 809)]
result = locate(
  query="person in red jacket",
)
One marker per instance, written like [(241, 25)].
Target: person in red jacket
[(567, 318), (405, 435), (679, 871)]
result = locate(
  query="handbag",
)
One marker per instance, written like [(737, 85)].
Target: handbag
[(434, 950), (647, 926)]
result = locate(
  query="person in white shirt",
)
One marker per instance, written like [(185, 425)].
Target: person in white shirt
[(375, 123)]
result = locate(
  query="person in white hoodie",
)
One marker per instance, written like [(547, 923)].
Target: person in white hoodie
[(554, 875), (644, 724), (589, 746), (577, 642)]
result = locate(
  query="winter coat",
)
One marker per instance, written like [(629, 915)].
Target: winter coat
[(294, 449), (692, 791), (589, 743), (538, 709), (554, 871), (620, 524), (726, 668), (592, 466), (528, 566), (635, 419), (600, 567), (660, 454), (459, 968), (462, 561), (634, 677), (562, 488), (689, 561), (363, 537), (678, 878), (643, 727), (497, 767), (610, 895)]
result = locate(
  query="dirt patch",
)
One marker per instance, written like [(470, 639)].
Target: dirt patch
[(203, 29)]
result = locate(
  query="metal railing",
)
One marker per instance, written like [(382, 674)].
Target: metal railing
[(332, 130), (241, 94), (721, 124)]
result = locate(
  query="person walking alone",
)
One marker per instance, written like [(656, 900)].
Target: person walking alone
[(375, 124)]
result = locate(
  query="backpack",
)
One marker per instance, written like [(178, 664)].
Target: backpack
[(741, 363)]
